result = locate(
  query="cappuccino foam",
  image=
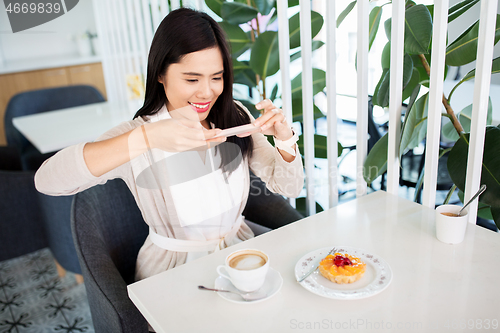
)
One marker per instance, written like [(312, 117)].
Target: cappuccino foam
[(247, 261)]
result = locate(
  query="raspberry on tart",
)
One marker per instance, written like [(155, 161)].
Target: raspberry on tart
[(342, 268)]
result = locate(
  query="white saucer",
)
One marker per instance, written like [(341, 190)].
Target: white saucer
[(271, 286), (378, 275)]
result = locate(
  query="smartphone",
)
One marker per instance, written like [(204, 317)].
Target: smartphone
[(237, 130)]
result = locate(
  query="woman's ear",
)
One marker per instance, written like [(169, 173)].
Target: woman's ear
[(160, 79)]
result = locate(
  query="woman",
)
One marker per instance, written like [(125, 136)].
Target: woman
[(190, 196)]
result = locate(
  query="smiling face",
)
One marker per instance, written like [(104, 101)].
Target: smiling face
[(196, 80)]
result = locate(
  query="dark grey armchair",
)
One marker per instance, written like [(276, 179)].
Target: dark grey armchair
[(21, 227), (108, 231)]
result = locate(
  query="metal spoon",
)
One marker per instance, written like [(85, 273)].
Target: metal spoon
[(252, 296), (481, 190)]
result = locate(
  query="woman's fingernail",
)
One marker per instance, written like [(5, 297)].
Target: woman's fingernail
[(258, 106)]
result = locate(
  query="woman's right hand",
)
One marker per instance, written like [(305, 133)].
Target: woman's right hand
[(180, 134)]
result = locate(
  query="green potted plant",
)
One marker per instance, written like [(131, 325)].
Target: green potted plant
[(416, 71)]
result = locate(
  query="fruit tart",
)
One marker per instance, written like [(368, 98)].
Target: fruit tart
[(342, 268)]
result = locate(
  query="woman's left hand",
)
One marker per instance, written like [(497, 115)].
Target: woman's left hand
[(272, 121)]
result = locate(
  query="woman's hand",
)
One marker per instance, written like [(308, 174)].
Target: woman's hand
[(181, 134), (273, 121)]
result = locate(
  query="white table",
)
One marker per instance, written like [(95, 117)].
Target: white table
[(435, 285), (54, 130)]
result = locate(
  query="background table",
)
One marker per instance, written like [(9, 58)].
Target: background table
[(436, 287), (53, 130)]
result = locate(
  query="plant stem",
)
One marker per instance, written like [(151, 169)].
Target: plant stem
[(264, 89), (447, 106)]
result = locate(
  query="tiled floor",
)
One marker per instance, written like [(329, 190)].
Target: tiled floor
[(34, 299)]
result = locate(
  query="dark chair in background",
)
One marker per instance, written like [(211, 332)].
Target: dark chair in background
[(375, 133), (38, 101), (55, 211), (108, 230), (268, 209), (21, 227), (31, 220), (413, 165)]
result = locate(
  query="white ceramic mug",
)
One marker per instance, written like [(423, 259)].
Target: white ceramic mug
[(450, 229), (246, 269)]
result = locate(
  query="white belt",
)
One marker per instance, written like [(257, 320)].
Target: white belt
[(181, 245)]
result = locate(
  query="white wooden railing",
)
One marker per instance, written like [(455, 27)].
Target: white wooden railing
[(126, 28)]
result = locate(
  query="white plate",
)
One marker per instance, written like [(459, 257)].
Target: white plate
[(271, 286), (377, 277)]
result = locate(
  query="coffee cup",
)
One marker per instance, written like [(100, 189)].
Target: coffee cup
[(450, 228), (246, 269)]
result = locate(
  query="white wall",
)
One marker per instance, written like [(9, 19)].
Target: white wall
[(52, 39)]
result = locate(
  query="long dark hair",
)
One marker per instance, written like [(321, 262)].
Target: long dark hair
[(185, 31)]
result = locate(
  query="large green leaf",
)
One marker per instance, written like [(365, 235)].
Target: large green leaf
[(382, 90), (490, 174), (407, 69), (239, 66), (274, 93), (238, 13), (319, 145), (264, 6), (413, 98), (483, 210), (385, 59), (387, 28), (374, 22), (297, 110), (293, 3), (460, 8), (345, 12), (316, 44), (377, 87), (316, 24), (264, 57), (376, 161), (300, 206), (237, 37), (244, 75), (414, 126), (251, 107), (418, 30), (215, 6), (414, 82), (431, 10), (464, 49), (495, 68), (319, 83), (465, 118), (409, 3)]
